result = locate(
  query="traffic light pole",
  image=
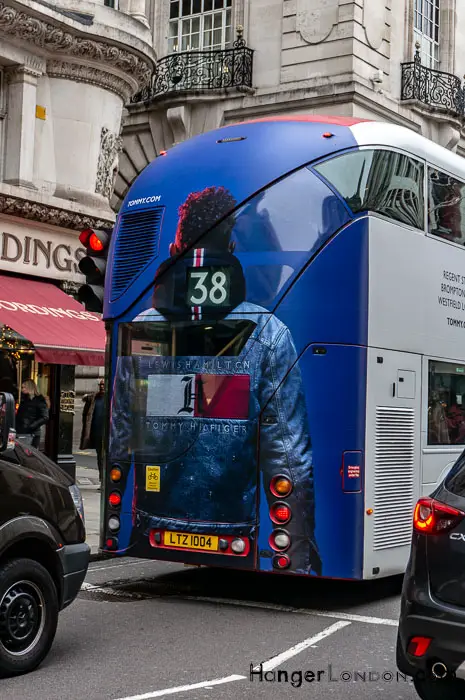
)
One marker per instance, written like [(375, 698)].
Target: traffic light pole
[(60, 434)]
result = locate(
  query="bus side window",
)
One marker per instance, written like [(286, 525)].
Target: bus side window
[(445, 203), (380, 181), (446, 403)]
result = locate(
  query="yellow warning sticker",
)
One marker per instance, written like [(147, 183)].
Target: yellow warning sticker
[(152, 478)]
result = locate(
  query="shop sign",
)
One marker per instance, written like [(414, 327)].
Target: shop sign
[(27, 250)]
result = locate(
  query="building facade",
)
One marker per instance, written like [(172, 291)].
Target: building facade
[(65, 75), (222, 61)]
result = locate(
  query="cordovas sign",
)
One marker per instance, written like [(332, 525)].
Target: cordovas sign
[(44, 253)]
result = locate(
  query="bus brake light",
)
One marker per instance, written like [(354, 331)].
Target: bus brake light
[(280, 513), (282, 561), (114, 499)]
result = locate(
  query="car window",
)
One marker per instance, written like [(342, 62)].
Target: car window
[(455, 481)]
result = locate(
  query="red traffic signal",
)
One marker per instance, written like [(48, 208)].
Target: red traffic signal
[(96, 241)]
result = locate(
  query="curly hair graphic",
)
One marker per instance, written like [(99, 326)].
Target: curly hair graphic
[(200, 213)]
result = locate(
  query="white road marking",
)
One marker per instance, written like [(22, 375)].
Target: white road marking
[(266, 666), (355, 618), (301, 611), (112, 566), (299, 648), (184, 688)]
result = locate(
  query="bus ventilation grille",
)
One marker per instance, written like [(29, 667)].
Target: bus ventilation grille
[(394, 477), (136, 247)]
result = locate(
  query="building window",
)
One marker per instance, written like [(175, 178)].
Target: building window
[(427, 31), (446, 207), (446, 403), (200, 25), (382, 182)]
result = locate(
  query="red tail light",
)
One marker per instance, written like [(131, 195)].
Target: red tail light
[(418, 646), (282, 561), (114, 499), (280, 513), (432, 517)]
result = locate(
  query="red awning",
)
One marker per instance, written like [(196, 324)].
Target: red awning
[(59, 328)]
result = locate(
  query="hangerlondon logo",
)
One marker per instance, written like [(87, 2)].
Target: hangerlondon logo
[(329, 675)]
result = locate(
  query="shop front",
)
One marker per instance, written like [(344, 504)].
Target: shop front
[(44, 332)]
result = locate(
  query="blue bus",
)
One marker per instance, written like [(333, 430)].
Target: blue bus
[(285, 306)]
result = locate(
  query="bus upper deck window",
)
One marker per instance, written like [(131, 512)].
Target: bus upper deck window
[(380, 181), (445, 204)]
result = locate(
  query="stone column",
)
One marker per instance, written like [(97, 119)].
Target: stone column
[(19, 160), (447, 28)]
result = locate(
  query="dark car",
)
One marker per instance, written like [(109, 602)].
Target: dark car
[(43, 555), (431, 639)]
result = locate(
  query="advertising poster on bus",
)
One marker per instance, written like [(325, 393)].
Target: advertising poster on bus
[(208, 396)]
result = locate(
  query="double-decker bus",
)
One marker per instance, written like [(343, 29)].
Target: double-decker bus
[(285, 303)]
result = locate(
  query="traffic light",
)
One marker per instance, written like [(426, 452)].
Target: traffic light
[(93, 266)]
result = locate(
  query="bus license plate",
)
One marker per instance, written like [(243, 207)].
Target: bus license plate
[(190, 541)]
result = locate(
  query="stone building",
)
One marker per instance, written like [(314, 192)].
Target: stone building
[(341, 57), (66, 71)]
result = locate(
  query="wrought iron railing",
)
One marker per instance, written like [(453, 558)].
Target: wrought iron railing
[(201, 70), (432, 87)]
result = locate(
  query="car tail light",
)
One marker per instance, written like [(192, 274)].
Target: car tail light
[(116, 474), (114, 499), (279, 540), (418, 646), (280, 486), (280, 513), (432, 517), (282, 561)]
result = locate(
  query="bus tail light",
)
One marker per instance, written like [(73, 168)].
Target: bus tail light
[(279, 540), (116, 474), (114, 499), (111, 543), (280, 513), (280, 486), (281, 561), (432, 517)]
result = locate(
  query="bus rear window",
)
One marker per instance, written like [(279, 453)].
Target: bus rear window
[(185, 338), (380, 181)]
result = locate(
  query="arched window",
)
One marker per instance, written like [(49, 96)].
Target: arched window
[(200, 25), (426, 31)]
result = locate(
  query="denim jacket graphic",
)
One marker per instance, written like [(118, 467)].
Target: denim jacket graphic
[(209, 467)]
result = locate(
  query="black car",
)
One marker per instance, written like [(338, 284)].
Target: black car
[(43, 555), (431, 639)]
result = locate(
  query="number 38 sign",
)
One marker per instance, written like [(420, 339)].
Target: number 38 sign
[(208, 286)]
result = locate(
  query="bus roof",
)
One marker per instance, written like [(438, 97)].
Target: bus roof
[(394, 136), (373, 133)]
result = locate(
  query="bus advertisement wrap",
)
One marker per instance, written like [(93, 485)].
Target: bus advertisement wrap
[(286, 372)]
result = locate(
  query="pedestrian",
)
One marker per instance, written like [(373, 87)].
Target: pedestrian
[(92, 424), (32, 413)]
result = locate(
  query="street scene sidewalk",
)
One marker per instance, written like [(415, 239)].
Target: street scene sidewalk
[(87, 478)]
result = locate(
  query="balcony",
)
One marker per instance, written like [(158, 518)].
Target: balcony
[(433, 88), (197, 71)]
